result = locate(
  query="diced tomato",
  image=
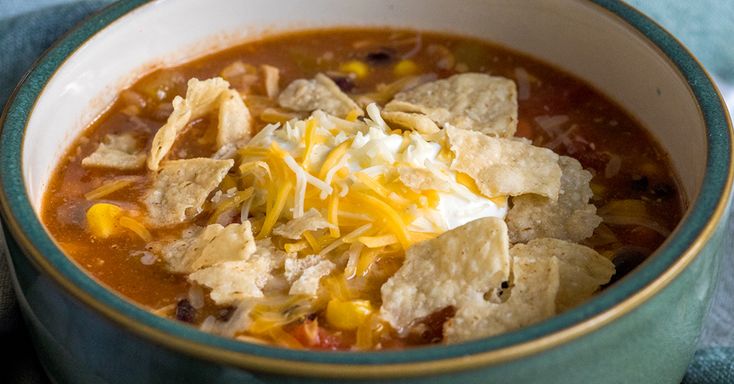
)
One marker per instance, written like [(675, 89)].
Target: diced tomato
[(311, 335)]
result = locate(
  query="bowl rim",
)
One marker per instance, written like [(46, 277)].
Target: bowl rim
[(695, 229)]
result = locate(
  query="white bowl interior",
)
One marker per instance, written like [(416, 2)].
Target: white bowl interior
[(577, 36)]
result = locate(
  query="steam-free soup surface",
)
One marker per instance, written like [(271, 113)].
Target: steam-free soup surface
[(633, 185)]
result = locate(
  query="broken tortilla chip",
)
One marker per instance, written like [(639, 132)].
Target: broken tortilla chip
[(232, 281), (469, 260), (312, 220), (233, 242), (570, 218), (181, 188), (413, 121), (531, 299), (234, 119), (116, 152), (201, 97), (472, 101), (203, 247), (320, 93), (305, 273), (582, 269), (504, 166)]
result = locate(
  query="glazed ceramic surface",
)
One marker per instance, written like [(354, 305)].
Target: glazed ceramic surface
[(643, 329)]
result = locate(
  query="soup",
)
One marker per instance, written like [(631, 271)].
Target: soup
[(361, 189)]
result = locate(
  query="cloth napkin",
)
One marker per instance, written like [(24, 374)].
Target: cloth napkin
[(27, 28)]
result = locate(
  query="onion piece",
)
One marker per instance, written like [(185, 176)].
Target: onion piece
[(523, 83), (614, 165)]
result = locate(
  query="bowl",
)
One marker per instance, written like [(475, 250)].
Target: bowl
[(642, 329)]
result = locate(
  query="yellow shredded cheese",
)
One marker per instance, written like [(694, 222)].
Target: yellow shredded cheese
[(107, 189), (310, 135), (332, 215), (312, 242), (333, 157), (378, 241), (136, 227), (366, 259), (273, 214), (392, 219)]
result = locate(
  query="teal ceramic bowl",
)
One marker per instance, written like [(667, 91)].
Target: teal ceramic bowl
[(642, 329)]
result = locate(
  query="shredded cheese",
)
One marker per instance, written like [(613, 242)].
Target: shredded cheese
[(332, 215), (107, 189), (392, 219), (136, 227), (310, 138), (378, 241), (273, 214)]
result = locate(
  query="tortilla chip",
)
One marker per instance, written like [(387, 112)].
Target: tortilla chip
[(472, 101), (414, 121), (305, 273), (504, 166), (320, 93), (582, 269), (232, 281), (117, 152), (531, 299), (201, 97), (178, 255), (469, 260), (234, 120), (265, 248), (312, 220), (272, 78), (233, 242), (570, 218), (421, 179), (181, 188), (203, 247)]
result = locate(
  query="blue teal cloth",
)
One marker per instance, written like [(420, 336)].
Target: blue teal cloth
[(28, 27)]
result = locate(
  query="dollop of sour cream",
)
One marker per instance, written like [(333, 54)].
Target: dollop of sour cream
[(377, 150)]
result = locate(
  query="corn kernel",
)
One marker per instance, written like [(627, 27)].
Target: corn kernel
[(102, 219), (347, 315), (356, 67), (405, 68)]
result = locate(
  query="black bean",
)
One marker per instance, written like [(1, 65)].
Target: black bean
[(626, 259), (380, 57), (640, 183), (185, 311), (345, 83), (663, 190)]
